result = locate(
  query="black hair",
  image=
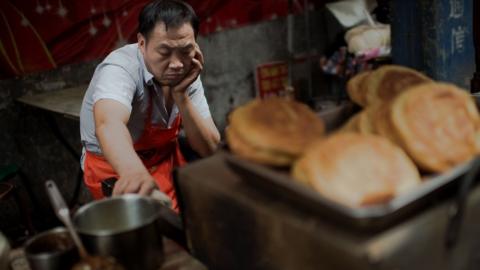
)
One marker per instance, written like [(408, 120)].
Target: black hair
[(173, 13)]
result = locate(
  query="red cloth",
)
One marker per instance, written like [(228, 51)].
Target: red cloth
[(37, 35)]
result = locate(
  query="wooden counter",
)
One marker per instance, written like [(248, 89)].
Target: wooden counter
[(67, 102)]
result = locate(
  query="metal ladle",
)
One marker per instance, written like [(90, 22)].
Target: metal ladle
[(63, 213)]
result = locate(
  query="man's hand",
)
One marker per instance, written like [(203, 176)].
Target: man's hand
[(141, 183), (115, 140), (179, 90), (202, 134)]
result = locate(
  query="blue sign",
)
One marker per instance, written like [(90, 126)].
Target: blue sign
[(435, 37)]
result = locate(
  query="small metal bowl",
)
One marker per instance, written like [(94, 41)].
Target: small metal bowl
[(4, 252), (51, 250)]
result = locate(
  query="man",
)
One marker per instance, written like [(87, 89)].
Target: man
[(137, 99)]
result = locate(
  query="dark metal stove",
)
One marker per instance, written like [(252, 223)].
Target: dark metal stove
[(231, 224)]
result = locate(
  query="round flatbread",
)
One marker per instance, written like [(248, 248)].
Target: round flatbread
[(437, 124), (388, 81), (275, 126), (356, 169), (259, 155), (356, 88)]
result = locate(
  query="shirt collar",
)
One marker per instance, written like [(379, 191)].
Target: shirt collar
[(147, 76)]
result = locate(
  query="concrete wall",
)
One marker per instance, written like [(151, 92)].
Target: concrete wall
[(231, 58)]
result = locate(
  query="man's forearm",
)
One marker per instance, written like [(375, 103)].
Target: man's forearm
[(117, 147), (202, 134)]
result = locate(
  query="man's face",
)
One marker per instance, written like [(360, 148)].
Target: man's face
[(168, 54)]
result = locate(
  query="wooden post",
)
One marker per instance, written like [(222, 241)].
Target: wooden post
[(476, 40)]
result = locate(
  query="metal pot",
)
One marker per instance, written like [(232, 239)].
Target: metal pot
[(4, 252), (129, 228), (51, 250)]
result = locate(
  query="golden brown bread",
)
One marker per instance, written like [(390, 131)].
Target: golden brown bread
[(366, 121), (388, 81), (273, 131), (352, 125), (362, 122), (356, 169), (382, 122), (437, 124), (260, 155), (356, 88)]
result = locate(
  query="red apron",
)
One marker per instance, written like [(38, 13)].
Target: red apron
[(159, 151)]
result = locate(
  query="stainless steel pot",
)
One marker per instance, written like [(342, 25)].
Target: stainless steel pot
[(129, 228)]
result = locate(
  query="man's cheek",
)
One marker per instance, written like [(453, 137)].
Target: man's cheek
[(161, 69)]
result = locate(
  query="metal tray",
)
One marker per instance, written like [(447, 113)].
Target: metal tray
[(279, 184)]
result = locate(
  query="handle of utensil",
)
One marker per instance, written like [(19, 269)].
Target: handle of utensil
[(56, 198), (63, 213), (457, 209)]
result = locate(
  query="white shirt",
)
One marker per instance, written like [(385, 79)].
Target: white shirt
[(123, 77)]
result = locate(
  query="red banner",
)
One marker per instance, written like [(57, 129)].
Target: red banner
[(37, 35)]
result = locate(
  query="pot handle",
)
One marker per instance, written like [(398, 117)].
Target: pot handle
[(161, 198), (170, 224)]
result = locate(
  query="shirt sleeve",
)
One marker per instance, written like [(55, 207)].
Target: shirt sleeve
[(197, 95), (114, 82)]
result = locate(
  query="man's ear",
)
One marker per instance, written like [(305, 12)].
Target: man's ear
[(142, 42)]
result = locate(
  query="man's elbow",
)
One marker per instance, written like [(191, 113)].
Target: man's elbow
[(210, 146), (215, 141)]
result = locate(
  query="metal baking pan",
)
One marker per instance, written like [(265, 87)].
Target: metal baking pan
[(280, 185)]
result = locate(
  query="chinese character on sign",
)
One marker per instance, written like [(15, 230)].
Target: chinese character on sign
[(456, 9), (458, 39)]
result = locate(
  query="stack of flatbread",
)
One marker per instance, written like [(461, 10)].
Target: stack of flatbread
[(436, 124), (274, 131), (408, 123)]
